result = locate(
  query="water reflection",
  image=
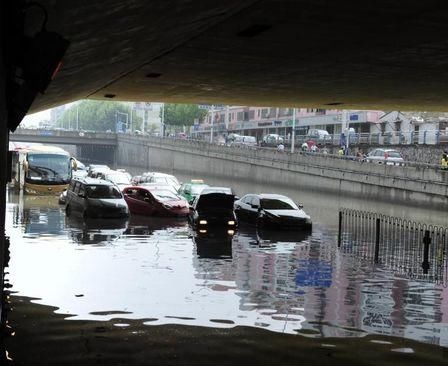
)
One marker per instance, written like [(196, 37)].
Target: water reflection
[(158, 270), (95, 231), (213, 244)]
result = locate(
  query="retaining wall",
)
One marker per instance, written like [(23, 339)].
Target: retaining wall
[(414, 185)]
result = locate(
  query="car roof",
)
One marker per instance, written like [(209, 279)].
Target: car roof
[(213, 189), (272, 196), (94, 181)]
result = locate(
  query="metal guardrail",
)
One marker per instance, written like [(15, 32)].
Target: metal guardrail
[(261, 152), (410, 249)]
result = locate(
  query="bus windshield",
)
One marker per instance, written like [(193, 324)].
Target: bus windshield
[(48, 168)]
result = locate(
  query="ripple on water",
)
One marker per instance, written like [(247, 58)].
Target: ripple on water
[(152, 269)]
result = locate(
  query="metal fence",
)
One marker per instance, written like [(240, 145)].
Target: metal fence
[(410, 249)]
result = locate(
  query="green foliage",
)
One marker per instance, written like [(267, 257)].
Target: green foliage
[(97, 116), (182, 114)]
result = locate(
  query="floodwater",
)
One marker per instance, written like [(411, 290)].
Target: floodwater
[(150, 282)]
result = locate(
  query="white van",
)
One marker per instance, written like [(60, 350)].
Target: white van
[(321, 135), (245, 140)]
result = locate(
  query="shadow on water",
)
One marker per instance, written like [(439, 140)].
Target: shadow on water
[(46, 338)]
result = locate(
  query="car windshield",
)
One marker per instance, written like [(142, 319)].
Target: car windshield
[(165, 195), (102, 191), (118, 178), (197, 188), (278, 204)]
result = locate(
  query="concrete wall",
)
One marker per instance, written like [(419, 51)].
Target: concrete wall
[(418, 185), (3, 171)]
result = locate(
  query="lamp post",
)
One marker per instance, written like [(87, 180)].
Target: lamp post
[(77, 117), (293, 133), (162, 120), (211, 127)]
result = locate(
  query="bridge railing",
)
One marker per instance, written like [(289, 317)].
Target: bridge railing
[(271, 153), (410, 249)]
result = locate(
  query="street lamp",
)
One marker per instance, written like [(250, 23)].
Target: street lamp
[(293, 134), (211, 127)]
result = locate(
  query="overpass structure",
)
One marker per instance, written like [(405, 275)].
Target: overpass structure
[(64, 137), (91, 147), (389, 55)]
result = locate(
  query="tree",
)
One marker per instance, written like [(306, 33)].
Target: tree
[(182, 114), (98, 116)]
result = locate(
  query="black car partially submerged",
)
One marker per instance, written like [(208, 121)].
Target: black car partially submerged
[(272, 211), (213, 210)]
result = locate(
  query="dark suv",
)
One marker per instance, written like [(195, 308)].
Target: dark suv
[(92, 197)]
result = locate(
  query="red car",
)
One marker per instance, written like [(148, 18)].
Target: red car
[(154, 201)]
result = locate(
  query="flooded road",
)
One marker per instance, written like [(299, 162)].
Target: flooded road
[(156, 272)]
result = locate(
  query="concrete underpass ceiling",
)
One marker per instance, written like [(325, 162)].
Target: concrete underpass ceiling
[(372, 54)]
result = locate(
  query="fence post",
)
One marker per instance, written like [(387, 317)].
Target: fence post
[(340, 229), (377, 240), (426, 242)]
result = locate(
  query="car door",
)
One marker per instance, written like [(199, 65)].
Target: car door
[(138, 201), (253, 209), (242, 209)]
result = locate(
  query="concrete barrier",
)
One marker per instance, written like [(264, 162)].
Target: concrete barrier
[(420, 184)]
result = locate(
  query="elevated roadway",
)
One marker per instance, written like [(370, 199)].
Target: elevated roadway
[(64, 137)]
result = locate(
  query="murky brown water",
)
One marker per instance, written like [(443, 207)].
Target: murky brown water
[(153, 271)]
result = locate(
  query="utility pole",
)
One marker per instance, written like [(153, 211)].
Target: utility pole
[(293, 133), (211, 127), (162, 119), (77, 117), (344, 128)]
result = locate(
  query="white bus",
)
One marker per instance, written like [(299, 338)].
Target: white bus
[(41, 169)]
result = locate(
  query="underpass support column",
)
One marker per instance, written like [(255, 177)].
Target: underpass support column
[(4, 136)]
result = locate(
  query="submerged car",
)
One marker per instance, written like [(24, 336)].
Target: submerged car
[(160, 178), (120, 179), (227, 190), (193, 189), (271, 211), (98, 198), (155, 201), (213, 210)]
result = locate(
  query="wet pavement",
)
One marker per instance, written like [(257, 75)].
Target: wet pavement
[(151, 282)]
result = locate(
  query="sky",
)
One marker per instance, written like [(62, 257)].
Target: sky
[(32, 120)]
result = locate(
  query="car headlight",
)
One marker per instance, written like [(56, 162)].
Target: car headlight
[(202, 222), (230, 222), (202, 231), (230, 232), (308, 221)]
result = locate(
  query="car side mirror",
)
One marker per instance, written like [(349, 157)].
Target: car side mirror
[(255, 206), (236, 198), (82, 195), (300, 205), (146, 199)]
